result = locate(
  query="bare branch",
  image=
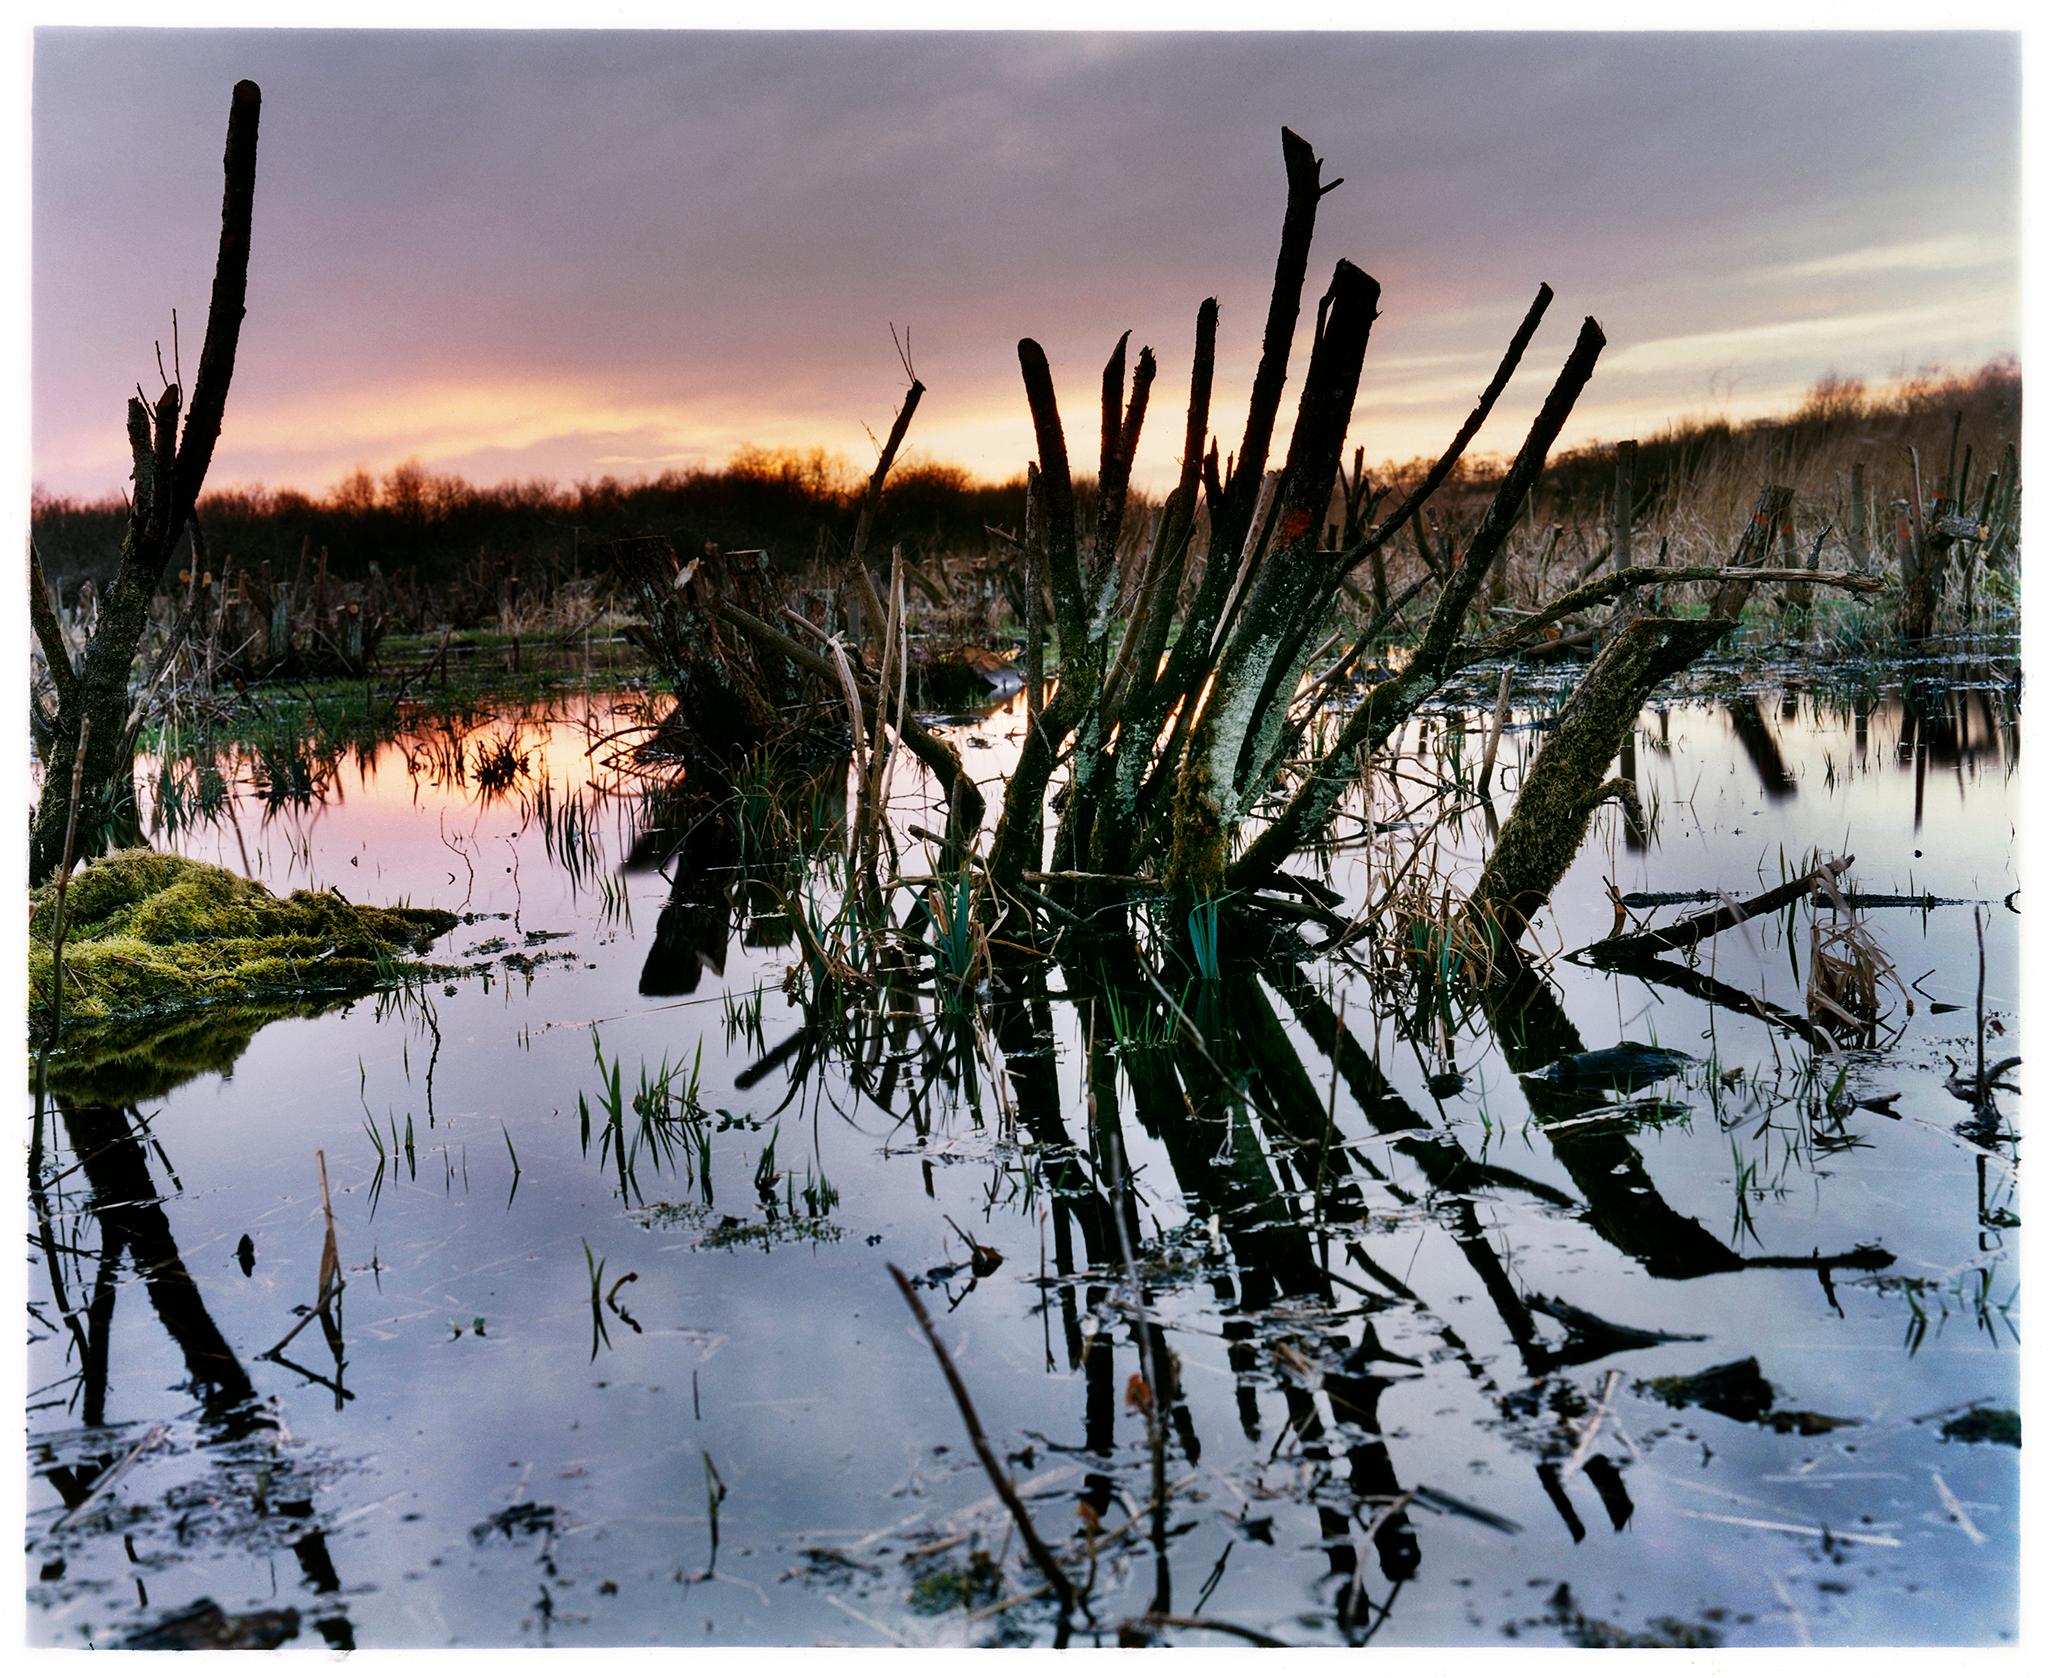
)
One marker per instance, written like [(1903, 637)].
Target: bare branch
[(1618, 583), (1433, 480), (1283, 310), (1056, 484), (1046, 1562), (872, 500)]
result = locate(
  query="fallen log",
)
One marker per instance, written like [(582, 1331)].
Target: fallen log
[(1568, 780)]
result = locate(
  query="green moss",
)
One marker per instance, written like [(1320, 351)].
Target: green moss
[(151, 934)]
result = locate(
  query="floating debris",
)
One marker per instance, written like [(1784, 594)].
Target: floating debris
[(205, 1625), (1739, 1391), (1626, 1066), (1980, 1426)]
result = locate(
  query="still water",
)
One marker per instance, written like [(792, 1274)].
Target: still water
[(1417, 1296)]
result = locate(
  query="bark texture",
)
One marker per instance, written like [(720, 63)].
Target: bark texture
[(1568, 780)]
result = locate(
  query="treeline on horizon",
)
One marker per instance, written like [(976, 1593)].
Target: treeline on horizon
[(801, 506), (1704, 473)]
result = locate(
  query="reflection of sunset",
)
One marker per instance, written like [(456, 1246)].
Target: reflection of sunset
[(401, 815)]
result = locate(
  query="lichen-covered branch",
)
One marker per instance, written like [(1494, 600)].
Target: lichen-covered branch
[(1262, 649), (42, 614), (1387, 704)]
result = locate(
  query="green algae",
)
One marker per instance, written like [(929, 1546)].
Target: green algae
[(941, 1590), (150, 935)]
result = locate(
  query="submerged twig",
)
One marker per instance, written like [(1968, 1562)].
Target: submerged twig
[(1197, 1622)]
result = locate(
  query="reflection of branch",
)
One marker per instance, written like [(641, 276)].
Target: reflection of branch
[(1689, 933), (1762, 749), (333, 1386), (46, 1238), (1655, 970), (106, 1481), (319, 1307), (1584, 1449), (126, 1201), (1356, 1589), (1868, 1256)]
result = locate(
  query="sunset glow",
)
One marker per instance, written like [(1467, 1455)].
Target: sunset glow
[(565, 256)]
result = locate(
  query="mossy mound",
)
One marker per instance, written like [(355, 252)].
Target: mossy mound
[(151, 934)]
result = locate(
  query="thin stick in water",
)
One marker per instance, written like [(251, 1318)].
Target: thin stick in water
[(1042, 1557)]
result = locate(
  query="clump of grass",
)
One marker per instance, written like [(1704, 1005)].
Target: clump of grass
[(498, 765), (1847, 971), (1982, 1425), (743, 1017), (669, 1122), (737, 1232)]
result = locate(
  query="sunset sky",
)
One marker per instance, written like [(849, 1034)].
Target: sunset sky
[(560, 256)]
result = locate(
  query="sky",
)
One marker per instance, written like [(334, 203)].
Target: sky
[(554, 255)]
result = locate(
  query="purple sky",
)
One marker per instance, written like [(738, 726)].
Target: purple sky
[(563, 255)]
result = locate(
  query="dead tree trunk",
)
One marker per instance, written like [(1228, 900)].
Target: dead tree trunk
[(1859, 516), (1773, 503), (730, 700), (169, 473), (1624, 503), (1927, 533)]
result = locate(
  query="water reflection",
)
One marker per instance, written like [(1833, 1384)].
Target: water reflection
[(1390, 1282), (254, 1488)]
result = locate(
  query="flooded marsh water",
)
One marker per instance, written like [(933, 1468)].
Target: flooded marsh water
[(1609, 1310)]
